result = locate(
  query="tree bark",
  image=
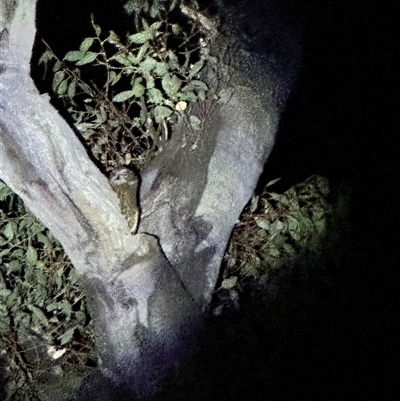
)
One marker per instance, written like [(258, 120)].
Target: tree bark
[(145, 292)]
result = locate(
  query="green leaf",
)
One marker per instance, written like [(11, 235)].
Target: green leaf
[(58, 277), (273, 253), (45, 57), (57, 66), (95, 26), (62, 88), (294, 228), (148, 64), (22, 318), (173, 60), (39, 315), (156, 10), (31, 255), (113, 38), (71, 90), (268, 208), (254, 203), (171, 84), (188, 96), (142, 52), (58, 78), (41, 274), (14, 265), (123, 59), (132, 60), (52, 306), (141, 37), (161, 69), (136, 81), (122, 96), (35, 228), (5, 292), (176, 29), (154, 28), (4, 191), (138, 90), (47, 245), (73, 276), (272, 182), (85, 45), (196, 68), (155, 96), (111, 77), (67, 336), (276, 227), (229, 283), (145, 8), (74, 55), (279, 198), (185, 67), (66, 308), (114, 78), (150, 83), (10, 230), (262, 223), (87, 58), (161, 112), (262, 233), (292, 198), (63, 306), (102, 114), (18, 253), (85, 88)]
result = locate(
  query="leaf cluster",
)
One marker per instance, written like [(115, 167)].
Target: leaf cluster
[(276, 229), (156, 9), (39, 295), (125, 95)]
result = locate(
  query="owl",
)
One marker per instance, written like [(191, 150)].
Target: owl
[(125, 184)]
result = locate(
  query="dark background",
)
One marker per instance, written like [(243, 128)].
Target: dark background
[(330, 335)]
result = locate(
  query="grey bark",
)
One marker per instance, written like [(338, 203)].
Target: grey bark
[(145, 291)]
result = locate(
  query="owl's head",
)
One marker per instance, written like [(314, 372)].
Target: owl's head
[(123, 176)]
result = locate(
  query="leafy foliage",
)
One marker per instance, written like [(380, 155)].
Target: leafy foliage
[(276, 230), (124, 96), (39, 298), (38, 287), (153, 8)]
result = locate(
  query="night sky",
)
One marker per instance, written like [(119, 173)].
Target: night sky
[(341, 122)]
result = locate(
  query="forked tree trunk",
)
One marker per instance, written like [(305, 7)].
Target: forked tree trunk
[(145, 292)]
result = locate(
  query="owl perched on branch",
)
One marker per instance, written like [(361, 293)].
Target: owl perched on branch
[(125, 184)]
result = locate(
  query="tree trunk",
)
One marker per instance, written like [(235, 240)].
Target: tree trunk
[(145, 292)]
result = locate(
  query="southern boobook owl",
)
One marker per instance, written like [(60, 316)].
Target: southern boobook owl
[(125, 184)]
